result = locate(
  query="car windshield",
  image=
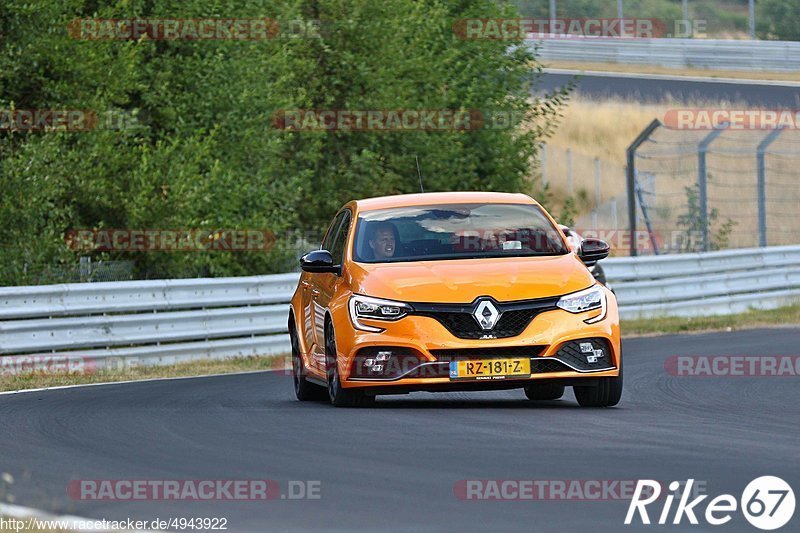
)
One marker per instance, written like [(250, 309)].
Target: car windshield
[(455, 231)]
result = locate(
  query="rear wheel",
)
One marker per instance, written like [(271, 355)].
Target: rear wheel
[(607, 393), (544, 391), (339, 396), (303, 389)]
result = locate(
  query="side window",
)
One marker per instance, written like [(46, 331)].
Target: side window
[(337, 251), (331, 234)]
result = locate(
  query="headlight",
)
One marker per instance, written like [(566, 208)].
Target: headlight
[(585, 300), (375, 309)]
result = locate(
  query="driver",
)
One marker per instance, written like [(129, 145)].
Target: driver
[(383, 240)]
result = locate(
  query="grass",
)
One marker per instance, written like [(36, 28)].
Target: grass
[(789, 315), (684, 71), (192, 368)]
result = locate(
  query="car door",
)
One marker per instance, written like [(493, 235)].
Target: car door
[(315, 315), (327, 283)]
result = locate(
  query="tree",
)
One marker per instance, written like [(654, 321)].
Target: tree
[(203, 153), (778, 19)]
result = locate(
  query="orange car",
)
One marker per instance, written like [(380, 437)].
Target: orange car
[(452, 291)]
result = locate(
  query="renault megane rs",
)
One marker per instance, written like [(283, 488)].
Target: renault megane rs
[(452, 291)]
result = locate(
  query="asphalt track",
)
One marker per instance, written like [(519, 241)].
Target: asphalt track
[(394, 467), (644, 89)]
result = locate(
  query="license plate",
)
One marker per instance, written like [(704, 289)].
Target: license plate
[(490, 368)]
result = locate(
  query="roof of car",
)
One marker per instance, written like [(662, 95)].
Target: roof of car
[(436, 198)]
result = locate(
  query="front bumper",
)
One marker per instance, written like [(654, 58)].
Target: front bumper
[(551, 341)]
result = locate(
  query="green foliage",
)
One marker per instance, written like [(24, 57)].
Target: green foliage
[(202, 154), (777, 19), (692, 222), (568, 212)]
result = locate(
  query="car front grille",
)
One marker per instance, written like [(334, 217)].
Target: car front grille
[(459, 319)]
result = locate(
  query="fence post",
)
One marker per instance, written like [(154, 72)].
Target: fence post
[(569, 171), (613, 203), (762, 185), (544, 165), (631, 175), (597, 195), (85, 267), (702, 181)]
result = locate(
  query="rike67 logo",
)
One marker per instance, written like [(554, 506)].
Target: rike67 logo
[(767, 503)]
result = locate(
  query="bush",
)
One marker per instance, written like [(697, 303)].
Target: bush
[(202, 153)]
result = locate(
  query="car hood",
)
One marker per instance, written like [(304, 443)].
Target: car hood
[(463, 280)]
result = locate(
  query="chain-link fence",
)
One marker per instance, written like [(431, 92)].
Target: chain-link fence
[(594, 186), (692, 190), (717, 188), (85, 270)]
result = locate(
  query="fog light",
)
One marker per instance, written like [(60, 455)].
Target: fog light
[(586, 347), (384, 362), (377, 364), (596, 354)]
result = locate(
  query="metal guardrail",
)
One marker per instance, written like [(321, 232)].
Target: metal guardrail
[(702, 284), (169, 321), (144, 322), (744, 55)]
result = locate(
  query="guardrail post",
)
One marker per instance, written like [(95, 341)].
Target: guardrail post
[(762, 185), (631, 175), (702, 181)]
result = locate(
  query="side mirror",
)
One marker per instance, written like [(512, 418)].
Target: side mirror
[(592, 251), (318, 261)]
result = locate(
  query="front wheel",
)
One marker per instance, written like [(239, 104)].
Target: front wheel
[(339, 396), (607, 393)]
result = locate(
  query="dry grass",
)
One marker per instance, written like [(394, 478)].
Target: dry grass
[(592, 130), (653, 69), (193, 368), (603, 130)]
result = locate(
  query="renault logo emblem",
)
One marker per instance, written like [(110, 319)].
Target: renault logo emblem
[(486, 314)]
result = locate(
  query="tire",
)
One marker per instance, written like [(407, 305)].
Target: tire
[(303, 389), (544, 391), (607, 393), (338, 395)]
